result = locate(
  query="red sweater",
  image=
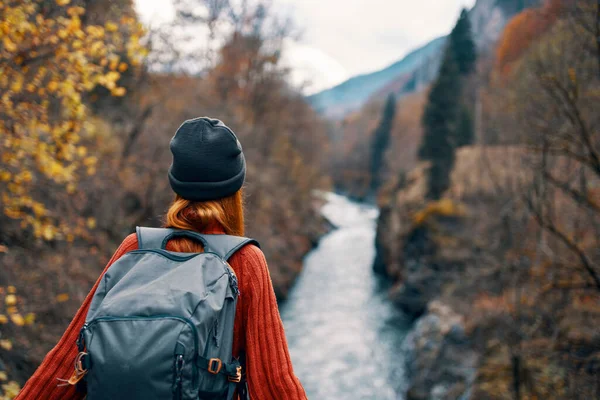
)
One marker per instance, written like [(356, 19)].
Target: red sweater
[(257, 330)]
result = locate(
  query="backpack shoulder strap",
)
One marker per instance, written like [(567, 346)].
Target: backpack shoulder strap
[(226, 245), (222, 245)]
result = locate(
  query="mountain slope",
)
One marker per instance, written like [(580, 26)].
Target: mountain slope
[(353, 93), (418, 68)]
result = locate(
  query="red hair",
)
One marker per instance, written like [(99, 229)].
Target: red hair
[(199, 216)]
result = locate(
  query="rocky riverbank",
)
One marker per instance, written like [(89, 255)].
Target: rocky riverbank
[(440, 360), (490, 318)]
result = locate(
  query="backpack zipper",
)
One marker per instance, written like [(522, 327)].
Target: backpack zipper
[(216, 332), (179, 363), (166, 254), (80, 338), (233, 282), (138, 317)]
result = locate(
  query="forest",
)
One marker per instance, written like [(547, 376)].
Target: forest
[(486, 176)]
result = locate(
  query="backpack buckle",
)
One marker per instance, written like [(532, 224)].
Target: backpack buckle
[(237, 378), (214, 365)]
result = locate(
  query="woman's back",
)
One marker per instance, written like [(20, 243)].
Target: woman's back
[(258, 332)]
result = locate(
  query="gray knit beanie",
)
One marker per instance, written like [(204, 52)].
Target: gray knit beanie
[(208, 162)]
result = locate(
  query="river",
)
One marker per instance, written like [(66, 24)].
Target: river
[(343, 333)]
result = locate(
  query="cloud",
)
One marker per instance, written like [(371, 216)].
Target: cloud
[(312, 69), (155, 11), (366, 35)]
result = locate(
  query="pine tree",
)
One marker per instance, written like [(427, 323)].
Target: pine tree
[(438, 122), (465, 132), (461, 44), (463, 48), (447, 124), (381, 138)]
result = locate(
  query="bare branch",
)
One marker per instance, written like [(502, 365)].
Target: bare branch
[(551, 227), (135, 131), (576, 119), (579, 197)]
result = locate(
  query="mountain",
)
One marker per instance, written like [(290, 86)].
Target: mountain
[(419, 67), (353, 93)]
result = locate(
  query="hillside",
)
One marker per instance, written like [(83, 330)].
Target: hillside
[(486, 299), (500, 270), (353, 93), (419, 67)]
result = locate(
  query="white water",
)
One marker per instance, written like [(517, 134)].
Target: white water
[(344, 335)]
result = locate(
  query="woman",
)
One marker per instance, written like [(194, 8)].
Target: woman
[(207, 175)]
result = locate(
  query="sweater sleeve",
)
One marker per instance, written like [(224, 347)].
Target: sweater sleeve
[(58, 363), (269, 368)]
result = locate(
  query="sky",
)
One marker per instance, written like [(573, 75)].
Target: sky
[(343, 38)]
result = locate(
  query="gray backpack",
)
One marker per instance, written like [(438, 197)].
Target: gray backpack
[(160, 325)]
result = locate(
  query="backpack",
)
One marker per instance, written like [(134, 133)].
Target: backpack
[(160, 324)]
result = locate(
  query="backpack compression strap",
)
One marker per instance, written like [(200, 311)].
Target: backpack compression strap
[(222, 245)]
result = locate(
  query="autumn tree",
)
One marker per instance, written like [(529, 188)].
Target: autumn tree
[(56, 58), (552, 90), (556, 102), (380, 141), (523, 29), (50, 59)]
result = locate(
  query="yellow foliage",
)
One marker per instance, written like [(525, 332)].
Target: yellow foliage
[(11, 389), (111, 27), (6, 344), (49, 62), (11, 300), (3, 376), (444, 208), (52, 86), (9, 45), (29, 319), (61, 298), (118, 92), (13, 314), (17, 319)]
